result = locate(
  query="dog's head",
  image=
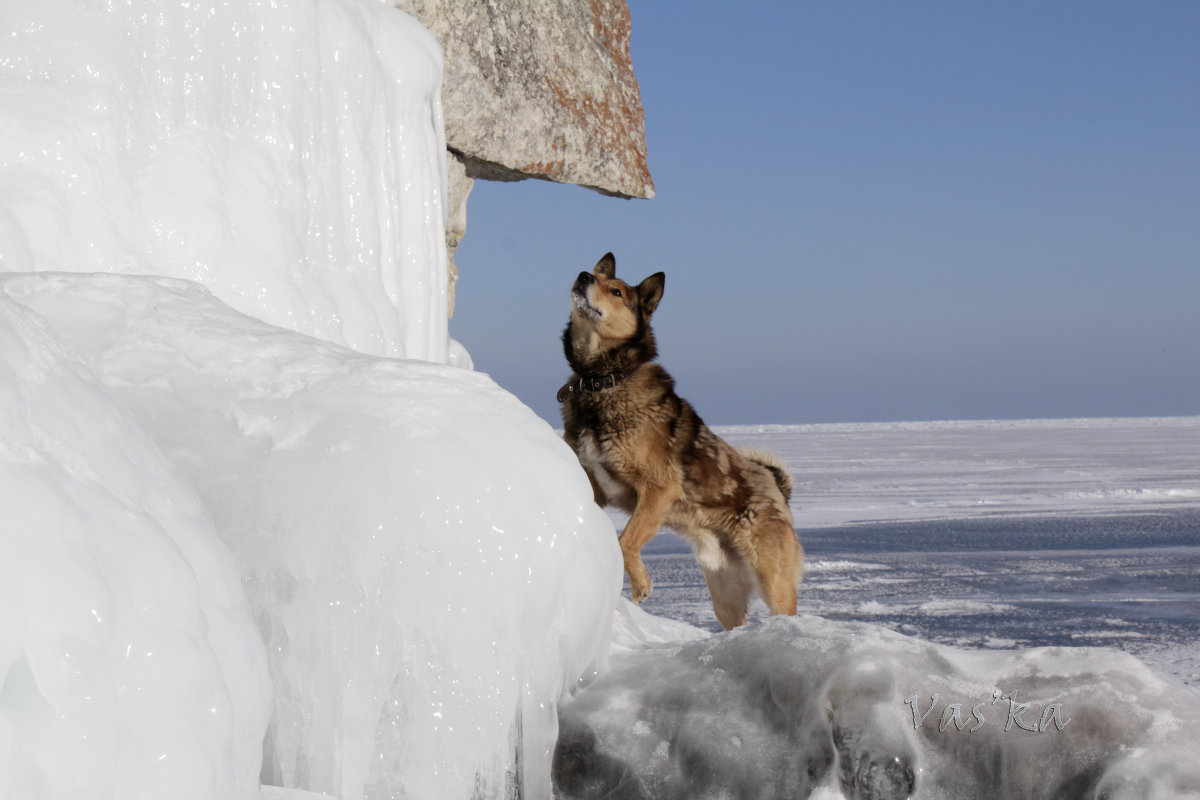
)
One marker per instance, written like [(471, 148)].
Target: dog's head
[(605, 307)]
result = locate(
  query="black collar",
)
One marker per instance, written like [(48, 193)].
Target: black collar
[(591, 383)]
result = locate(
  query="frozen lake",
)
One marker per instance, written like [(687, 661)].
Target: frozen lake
[(988, 534)]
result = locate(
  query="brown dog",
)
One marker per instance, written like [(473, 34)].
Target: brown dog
[(647, 452)]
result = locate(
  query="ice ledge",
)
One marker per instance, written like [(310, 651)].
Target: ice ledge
[(807, 705), (421, 552)]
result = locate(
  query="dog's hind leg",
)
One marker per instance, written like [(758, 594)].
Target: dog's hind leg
[(730, 585), (778, 562)]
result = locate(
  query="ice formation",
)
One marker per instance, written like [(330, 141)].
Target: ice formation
[(420, 550), (802, 706), (287, 154), (129, 662), (417, 550)]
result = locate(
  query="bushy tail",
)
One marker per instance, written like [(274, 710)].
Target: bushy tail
[(773, 463)]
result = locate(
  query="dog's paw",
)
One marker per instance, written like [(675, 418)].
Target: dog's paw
[(640, 591), (639, 578)]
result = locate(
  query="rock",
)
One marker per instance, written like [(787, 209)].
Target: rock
[(458, 187), (541, 89)]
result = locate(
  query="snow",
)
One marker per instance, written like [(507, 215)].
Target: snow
[(129, 662), (420, 550), (288, 154)]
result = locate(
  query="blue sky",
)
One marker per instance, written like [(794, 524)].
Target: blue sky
[(874, 211)]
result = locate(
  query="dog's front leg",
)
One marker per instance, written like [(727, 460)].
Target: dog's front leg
[(597, 493), (653, 503)]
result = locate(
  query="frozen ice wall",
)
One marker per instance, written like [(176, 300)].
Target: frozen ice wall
[(421, 550), (288, 154), (129, 662)]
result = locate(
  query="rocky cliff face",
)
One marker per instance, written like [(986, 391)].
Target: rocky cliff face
[(537, 89), (541, 89)]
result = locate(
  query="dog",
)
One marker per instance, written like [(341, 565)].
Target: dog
[(647, 452)]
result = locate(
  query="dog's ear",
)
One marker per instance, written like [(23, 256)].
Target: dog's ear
[(650, 292), (605, 267)]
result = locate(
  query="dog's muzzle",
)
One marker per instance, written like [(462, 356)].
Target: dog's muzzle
[(579, 294)]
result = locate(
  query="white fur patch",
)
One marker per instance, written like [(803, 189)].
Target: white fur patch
[(708, 550), (589, 457)]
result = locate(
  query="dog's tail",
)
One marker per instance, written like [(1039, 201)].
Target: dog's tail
[(774, 465)]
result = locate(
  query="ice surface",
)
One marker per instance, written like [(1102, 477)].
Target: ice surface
[(634, 630), (799, 707), (421, 551), (279, 793), (288, 154), (129, 662), (883, 472)]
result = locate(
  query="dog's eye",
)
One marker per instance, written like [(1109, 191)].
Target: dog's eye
[(615, 292)]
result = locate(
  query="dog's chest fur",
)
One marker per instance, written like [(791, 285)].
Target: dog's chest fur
[(608, 429), (592, 458)]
